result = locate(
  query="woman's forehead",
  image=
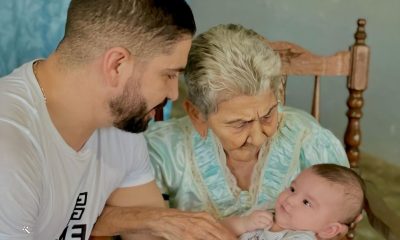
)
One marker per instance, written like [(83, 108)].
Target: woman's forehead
[(244, 105)]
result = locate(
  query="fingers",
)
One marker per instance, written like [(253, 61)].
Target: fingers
[(260, 219), (211, 228), (177, 225)]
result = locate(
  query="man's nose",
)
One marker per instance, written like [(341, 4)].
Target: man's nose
[(173, 90)]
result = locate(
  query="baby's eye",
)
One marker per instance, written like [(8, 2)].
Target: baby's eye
[(292, 189), (306, 203)]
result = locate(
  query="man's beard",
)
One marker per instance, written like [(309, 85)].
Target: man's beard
[(136, 122), (130, 116)]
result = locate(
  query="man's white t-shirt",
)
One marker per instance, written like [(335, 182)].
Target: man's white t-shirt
[(48, 190)]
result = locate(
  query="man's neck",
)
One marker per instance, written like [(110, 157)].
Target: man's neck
[(71, 101)]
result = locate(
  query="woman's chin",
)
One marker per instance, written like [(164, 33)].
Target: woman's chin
[(244, 156)]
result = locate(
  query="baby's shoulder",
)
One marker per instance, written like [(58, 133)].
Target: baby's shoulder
[(303, 235)]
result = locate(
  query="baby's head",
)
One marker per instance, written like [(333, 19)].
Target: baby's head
[(325, 199)]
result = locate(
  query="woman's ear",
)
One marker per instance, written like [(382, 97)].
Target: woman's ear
[(332, 230), (198, 120)]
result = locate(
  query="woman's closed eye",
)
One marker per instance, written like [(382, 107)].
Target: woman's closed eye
[(265, 119), (240, 125)]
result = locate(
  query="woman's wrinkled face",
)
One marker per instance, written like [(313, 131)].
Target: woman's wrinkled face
[(244, 123)]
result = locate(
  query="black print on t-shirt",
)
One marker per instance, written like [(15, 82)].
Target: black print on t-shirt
[(77, 231)]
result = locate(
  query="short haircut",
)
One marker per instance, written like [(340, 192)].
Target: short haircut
[(353, 184), (229, 61), (144, 27)]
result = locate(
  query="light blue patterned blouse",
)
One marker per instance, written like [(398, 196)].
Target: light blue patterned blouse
[(193, 170)]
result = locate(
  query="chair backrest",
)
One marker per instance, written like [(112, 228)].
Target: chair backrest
[(352, 63)]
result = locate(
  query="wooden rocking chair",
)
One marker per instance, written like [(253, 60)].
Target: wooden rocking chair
[(354, 65)]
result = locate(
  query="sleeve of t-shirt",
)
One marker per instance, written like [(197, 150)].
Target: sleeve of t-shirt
[(20, 184), (141, 171)]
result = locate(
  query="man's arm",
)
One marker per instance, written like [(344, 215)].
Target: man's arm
[(127, 205), (141, 210)]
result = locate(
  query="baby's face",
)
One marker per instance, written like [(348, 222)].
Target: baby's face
[(310, 203)]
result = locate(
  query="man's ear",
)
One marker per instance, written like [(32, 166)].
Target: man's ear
[(117, 66), (198, 120), (332, 230)]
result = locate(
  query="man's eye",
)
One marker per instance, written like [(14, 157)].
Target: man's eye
[(173, 76), (306, 203)]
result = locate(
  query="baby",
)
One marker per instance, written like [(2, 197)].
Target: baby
[(321, 203)]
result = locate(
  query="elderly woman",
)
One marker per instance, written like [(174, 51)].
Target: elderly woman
[(238, 147)]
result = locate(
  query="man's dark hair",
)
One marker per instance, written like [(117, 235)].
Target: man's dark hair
[(144, 27)]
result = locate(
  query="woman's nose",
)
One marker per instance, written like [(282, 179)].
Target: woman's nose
[(257, 136)]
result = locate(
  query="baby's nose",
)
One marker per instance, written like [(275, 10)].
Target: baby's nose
[(287, 205), (291, 201)]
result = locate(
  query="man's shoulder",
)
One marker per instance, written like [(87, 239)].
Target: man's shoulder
[(19, 101), (17, 76)]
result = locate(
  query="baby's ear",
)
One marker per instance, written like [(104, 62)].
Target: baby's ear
[(332, 230), (358, 218)]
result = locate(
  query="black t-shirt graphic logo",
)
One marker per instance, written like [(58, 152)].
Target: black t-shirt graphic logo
[(77, 231)]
